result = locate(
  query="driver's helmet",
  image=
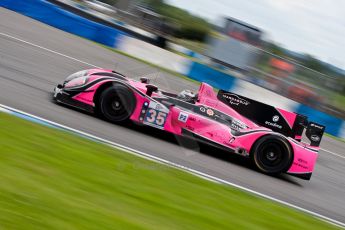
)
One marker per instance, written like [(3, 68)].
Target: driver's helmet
[(187, 95)]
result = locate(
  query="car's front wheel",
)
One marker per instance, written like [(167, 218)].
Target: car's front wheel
[(117, 103), (272, 154)]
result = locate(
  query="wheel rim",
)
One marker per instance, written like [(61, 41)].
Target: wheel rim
[(115, 107), (116, 103), (271, 155)]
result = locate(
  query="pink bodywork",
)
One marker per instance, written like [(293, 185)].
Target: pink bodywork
[(305, 156)]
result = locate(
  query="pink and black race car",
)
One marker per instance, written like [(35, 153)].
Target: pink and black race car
[(269, 136)]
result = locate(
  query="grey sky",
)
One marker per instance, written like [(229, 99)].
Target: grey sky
[(316, 27)]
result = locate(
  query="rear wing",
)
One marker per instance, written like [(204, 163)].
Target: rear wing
[(287, 123), (314, 133)]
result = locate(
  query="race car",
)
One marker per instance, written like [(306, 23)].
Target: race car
[(270, 137)]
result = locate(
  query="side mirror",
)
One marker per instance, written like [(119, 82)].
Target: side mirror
[(151, 89)]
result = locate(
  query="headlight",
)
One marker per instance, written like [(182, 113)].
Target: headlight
[(76, 75), (77, 79), (77, 82)]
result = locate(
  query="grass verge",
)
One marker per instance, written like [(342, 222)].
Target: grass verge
[(335, 138), (51, 179), (196, 46)]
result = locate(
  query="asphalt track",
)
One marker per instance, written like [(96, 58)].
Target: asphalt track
[(28, 74)]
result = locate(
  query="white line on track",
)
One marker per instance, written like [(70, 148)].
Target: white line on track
[(13, 111), (49, 50), (154, 158), (335, 154)]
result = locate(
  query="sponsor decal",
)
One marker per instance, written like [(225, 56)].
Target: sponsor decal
[(190, 127), (301, 165), (275, 118), (210, 112), (155, 118), (183, 117), (235, 99), (302, 161), (316, 126), (315, 138), (202, 109), (154, 114), (158, 106), (237, 125), (273, 124)]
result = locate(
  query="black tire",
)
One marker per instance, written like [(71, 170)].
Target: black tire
[(117, 103), (272, 155)]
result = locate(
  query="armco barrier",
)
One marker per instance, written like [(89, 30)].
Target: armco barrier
[(52, 15), (203, 73)]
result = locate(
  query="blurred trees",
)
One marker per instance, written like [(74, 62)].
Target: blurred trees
[(274, 48), (109, 2), (188, 26), (315, 64)]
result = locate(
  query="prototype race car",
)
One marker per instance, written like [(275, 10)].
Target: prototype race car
[(269, 136)]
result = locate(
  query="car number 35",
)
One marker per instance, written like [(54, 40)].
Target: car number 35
[(155, 117)]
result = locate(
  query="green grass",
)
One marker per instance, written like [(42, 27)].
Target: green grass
[(196, 46), (338, 100), (334, 137), (51, 179)]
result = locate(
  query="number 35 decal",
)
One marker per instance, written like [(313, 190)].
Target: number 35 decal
[(155, 117)]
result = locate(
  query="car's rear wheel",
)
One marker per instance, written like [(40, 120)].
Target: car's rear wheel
[(117, 103), (272, 154)]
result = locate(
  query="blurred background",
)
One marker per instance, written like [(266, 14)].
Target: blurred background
[(230, 45)]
